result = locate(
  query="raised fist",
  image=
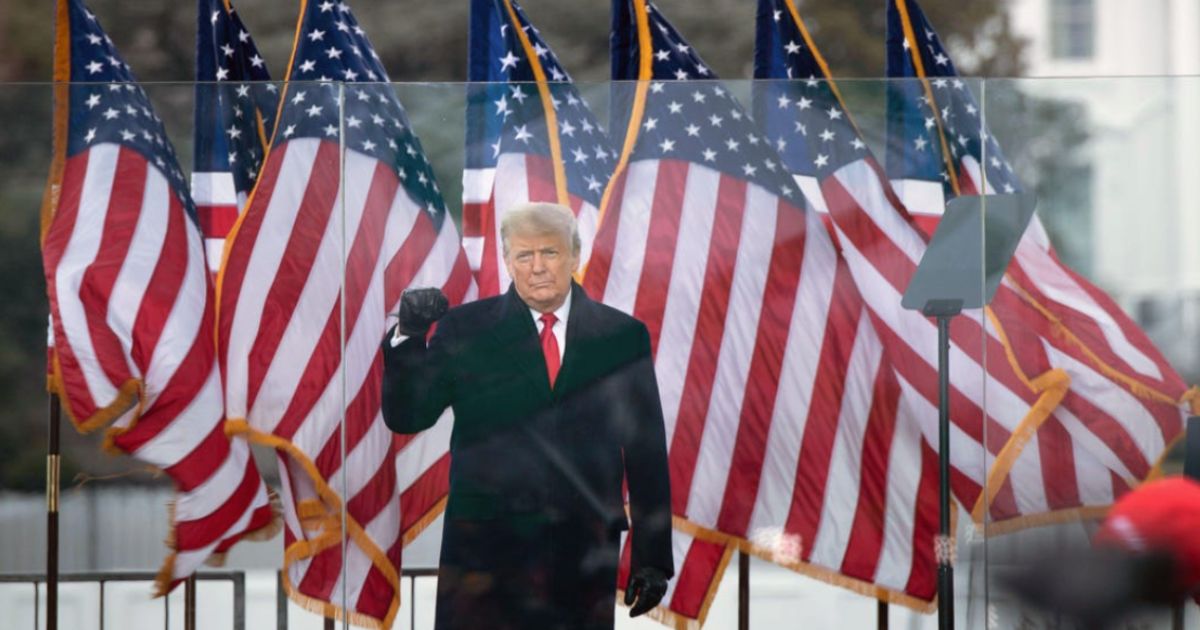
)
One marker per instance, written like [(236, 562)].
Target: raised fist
[(646, 587), (420, 308)]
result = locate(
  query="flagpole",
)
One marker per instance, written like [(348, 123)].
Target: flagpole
[(52, 472), (743, 590), (189, 603)]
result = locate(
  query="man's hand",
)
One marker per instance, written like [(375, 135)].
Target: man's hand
[(420, 308), (647, 586)]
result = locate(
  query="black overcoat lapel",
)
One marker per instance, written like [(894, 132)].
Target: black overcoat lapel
[(517, 335), (581, 328)]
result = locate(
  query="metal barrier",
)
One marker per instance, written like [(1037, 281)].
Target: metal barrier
[(238, 578)]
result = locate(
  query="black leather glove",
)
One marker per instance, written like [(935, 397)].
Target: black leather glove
[(648, 586), (420, 308)]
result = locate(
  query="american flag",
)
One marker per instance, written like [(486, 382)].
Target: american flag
[(917, 123), (131, 302), (530, 137), (235, 110), (1122, 389), (1037, 468), (345, 215), (804, 120), (780, 415)]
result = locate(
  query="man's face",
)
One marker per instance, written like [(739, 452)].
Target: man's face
[(541, 266)]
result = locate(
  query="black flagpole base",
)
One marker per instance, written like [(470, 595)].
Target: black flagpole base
[(945, 594)]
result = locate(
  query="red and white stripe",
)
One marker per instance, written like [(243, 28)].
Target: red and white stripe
[(779, 405), (1088, 312), (1077, 465), (217, 206), (131, 311), (489, 193), (1109, 352), (925, 200), (300, 325), (1111, 437)]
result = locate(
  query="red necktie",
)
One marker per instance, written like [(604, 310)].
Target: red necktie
[(550, 346)]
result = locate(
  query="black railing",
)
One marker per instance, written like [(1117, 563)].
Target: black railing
[(238, 578)]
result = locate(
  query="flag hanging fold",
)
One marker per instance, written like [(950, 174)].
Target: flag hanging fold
[(1024, 414), (781, 410), (803, 114), (1123, 390), (234, 112), (131, 301), (530, 137), (939, 147), (345, 214)]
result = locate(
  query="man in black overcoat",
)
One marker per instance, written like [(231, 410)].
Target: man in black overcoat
[(555, 403)]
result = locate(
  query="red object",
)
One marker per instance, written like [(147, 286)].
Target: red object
[(1161, 515), (550, 346)]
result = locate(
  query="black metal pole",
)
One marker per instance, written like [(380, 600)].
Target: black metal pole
[(52, 483), (281, 609), (329, 623), (743, 591), (881, 615), (189, 603), (1191, 469), (945, 584), (1191, 448), (239, 601)]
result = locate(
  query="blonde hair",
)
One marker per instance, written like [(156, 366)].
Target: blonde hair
[(540, 218)]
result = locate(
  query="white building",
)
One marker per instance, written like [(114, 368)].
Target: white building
[(1134, 66)]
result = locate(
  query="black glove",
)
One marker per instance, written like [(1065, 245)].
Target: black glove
[(420, 308), (648, 586)]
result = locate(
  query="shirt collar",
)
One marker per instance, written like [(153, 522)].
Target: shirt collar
[(561, 313)]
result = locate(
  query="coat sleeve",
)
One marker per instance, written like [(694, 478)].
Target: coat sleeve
[(418, 383), (646, 469)]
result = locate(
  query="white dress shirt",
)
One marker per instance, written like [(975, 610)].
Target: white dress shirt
[(397, 336), (560, 325)]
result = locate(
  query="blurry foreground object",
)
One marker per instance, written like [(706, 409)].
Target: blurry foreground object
[(1160, 517), (1146, 554)]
